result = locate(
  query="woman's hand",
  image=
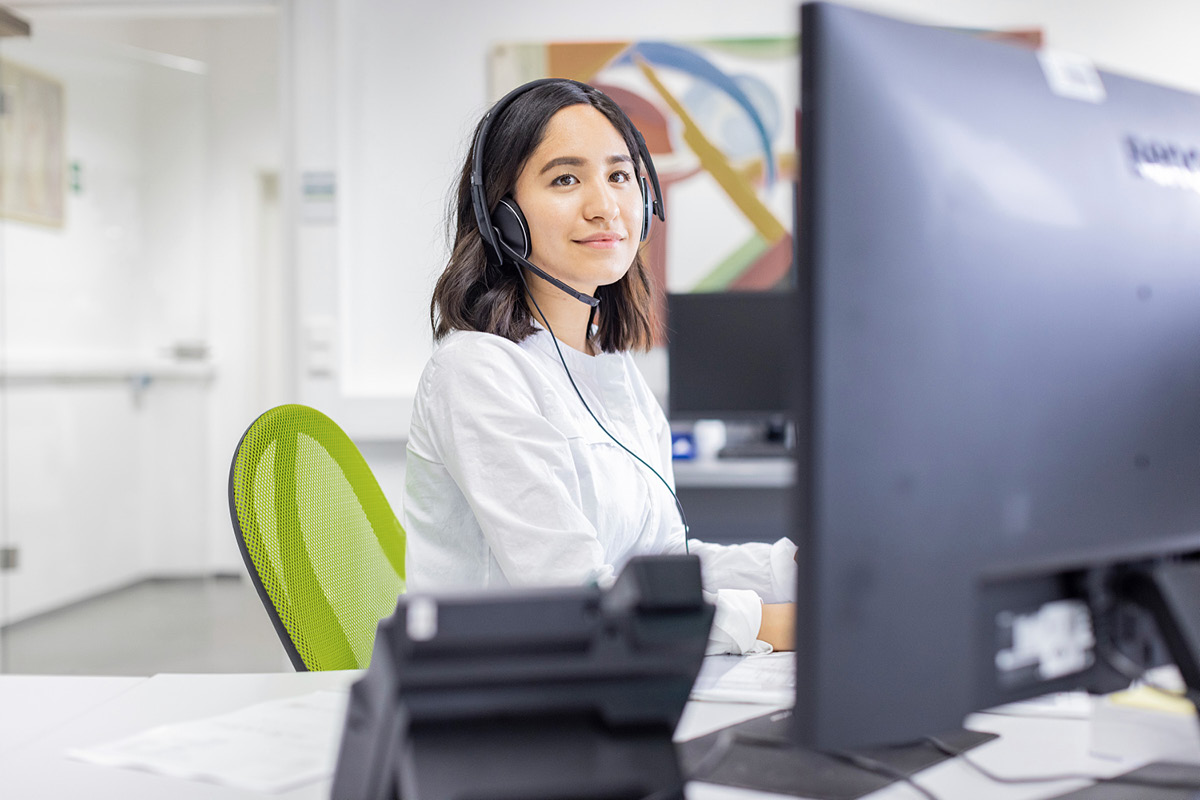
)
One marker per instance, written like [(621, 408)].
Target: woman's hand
[(778, 627)]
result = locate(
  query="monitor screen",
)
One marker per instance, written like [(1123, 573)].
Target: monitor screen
[(724, 355), (999, 288)]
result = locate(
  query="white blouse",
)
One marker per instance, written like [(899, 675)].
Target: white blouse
[(510, 482)]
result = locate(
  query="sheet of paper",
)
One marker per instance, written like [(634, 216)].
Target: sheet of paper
[(769, 679), (1056, 705), (268, 747)]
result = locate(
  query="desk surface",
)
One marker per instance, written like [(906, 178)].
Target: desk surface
[(34, 705), (733, 473), (41, 717)]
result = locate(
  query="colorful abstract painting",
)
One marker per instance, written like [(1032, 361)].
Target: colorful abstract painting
[(719, 119)]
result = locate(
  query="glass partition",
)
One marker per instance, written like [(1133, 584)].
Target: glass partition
[(111, 473), (11, 26)]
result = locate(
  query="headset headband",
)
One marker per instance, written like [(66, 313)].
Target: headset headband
[(479, 195)]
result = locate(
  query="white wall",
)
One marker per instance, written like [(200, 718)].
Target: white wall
[(412, 80)]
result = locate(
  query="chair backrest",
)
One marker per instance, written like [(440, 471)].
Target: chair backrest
[(320, 540)]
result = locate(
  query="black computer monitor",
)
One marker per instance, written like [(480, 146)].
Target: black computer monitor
[(724, 355), (999, 288)]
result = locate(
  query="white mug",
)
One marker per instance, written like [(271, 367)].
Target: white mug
[(709, 436)]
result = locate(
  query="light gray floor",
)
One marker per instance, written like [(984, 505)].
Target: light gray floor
[(183, 625), (170, 625)]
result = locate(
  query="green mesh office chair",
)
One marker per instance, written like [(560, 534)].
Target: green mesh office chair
[(320, 541)]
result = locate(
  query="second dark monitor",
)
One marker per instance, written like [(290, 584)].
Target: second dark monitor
[(725, 355)]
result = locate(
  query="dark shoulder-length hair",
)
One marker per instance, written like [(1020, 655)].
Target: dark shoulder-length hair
[(475, 295)]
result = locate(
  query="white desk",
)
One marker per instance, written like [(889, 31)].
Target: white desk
[(41, 769), (34, 705), (735, 473), (44, 716)]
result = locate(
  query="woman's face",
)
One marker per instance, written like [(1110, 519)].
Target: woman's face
[(581, 199)]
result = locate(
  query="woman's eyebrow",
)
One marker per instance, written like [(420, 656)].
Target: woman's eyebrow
[(576, 161)]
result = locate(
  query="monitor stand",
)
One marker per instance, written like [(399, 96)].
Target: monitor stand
[(759, 754), (772, 439), (1170, 591)]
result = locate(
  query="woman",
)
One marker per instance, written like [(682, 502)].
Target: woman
[(520, 463)]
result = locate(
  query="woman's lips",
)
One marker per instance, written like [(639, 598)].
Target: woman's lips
[(601, 241)]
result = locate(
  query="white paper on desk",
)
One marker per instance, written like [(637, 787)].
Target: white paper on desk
[(769, 679), (268, 747)]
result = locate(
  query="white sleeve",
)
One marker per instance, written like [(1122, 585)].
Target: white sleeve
[(735, 624), (515, 470), (739, 578), (769, 570)]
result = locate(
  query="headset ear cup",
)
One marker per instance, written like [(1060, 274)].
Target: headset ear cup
[(647, 208), (510, 225)]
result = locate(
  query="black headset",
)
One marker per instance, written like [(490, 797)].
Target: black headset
[(506, 236), (504, 230)]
